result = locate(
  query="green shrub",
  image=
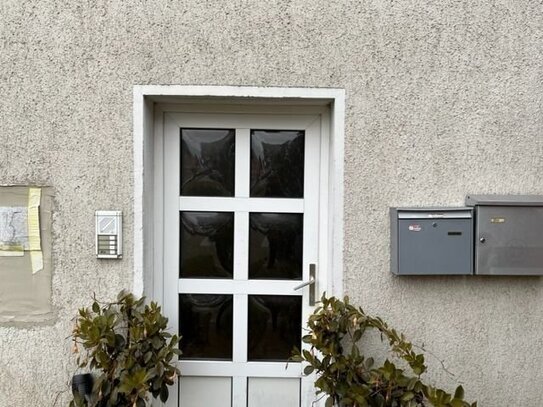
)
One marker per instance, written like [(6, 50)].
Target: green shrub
[(349, 378), (127, 341)]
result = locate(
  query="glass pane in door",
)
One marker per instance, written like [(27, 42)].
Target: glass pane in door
[(275, 246), (206, 245), (207, 162), (277, 163), (274, 326), (205, 322)]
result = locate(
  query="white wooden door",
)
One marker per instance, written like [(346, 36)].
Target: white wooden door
[(241, 233)]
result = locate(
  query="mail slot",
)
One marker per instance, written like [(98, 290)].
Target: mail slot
[(431, 241), (509, 234)]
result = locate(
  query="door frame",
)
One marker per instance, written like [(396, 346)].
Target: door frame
[(151, 103)]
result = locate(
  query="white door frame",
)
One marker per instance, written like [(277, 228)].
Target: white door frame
[(148, 175)]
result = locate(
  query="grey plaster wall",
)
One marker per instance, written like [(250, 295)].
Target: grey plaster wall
[(444, 99)]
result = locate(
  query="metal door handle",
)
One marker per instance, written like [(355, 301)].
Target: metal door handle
[(310, 283), (304, 284)]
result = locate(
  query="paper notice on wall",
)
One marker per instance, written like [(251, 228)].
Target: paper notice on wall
[(25, 255), (20, 230), (13, 230)]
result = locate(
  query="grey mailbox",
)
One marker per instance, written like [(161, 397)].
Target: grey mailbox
[(508, 234), (430, 241)]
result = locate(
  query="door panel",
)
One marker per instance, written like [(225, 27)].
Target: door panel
[(262, 392), (205, 391), (241, 205)]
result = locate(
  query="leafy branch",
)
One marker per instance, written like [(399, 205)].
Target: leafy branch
[(349, 378), (127, 341)]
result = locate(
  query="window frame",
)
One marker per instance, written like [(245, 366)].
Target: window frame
[(150, 102)]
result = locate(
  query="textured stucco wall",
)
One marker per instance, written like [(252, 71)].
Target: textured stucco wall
[(444, 99)]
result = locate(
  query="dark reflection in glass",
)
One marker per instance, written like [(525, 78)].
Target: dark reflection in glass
[(205, 321), (277, 163), (274, 326), (207, 245), (207, 162), (275, 246)]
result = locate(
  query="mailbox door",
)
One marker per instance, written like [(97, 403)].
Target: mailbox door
[(509, 240), (435, 246)]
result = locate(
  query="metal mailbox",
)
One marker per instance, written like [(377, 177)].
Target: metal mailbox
[(508, 234), (432, 241)]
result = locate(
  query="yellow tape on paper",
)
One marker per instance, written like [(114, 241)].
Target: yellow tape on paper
[(34, 240), (11, 250), (37, 261)]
